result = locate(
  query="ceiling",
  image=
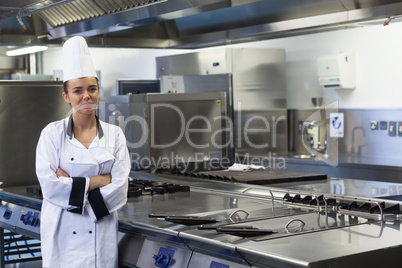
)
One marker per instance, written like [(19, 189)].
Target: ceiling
[(181, 23)]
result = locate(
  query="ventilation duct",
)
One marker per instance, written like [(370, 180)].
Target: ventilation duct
[(182, 23), (66, 12)]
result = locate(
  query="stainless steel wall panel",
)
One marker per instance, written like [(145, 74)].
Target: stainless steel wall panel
[(359, 139), (26, 107), (259, 78), (216, 61), (262, 133), (11, 63), (258, 90)]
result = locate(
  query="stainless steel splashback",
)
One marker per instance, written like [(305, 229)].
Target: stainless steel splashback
[(262, 133), (359, 138), (26, 107)]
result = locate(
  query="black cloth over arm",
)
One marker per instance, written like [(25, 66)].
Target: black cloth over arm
[(77, 195), (95, 198)]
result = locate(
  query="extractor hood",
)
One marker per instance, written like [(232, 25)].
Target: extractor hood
[(181, 23)]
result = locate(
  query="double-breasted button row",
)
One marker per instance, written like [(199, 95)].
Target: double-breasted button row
[(74, 232)]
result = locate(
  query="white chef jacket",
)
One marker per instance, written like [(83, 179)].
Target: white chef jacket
[(80, 229)]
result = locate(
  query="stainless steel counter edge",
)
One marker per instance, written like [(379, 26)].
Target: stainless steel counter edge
[(347, 160), (347, 166), (20, 200), (247, 190)]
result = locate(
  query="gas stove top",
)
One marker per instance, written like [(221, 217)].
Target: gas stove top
[(139, 187)]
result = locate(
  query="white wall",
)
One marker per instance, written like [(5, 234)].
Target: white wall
[(114, 63), (378, 53)]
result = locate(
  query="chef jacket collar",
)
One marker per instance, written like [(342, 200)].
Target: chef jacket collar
[(70, 127)]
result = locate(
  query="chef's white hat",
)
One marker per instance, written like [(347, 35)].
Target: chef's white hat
[(76, 59)]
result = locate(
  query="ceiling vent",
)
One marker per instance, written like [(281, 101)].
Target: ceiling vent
[(59, 13)]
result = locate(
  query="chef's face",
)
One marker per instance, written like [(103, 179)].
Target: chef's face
[(82, 94)]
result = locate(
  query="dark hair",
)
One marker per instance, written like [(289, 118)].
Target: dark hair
[(65, 85)]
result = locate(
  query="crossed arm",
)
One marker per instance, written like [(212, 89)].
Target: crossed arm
[(94, 182)]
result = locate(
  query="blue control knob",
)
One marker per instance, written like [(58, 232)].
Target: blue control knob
[(30, 219), (7, 214), (162, 260), (24, 218)]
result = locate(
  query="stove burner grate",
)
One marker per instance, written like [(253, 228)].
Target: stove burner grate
[(139, 187)]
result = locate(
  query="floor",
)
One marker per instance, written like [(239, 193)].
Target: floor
[(32, 264), (12, 240)]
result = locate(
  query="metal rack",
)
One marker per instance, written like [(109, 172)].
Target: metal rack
[(361, 207), (17, 248)]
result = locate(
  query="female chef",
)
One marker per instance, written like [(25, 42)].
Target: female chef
[(82, 165)]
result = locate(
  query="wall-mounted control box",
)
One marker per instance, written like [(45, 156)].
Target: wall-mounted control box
[(373, 125), (337, 71), (392, 128), (400, 129), (383, 125)]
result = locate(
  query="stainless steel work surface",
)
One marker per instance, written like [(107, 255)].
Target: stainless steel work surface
[(298, 233), (301, 236), (197, 202), (321, 248)]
